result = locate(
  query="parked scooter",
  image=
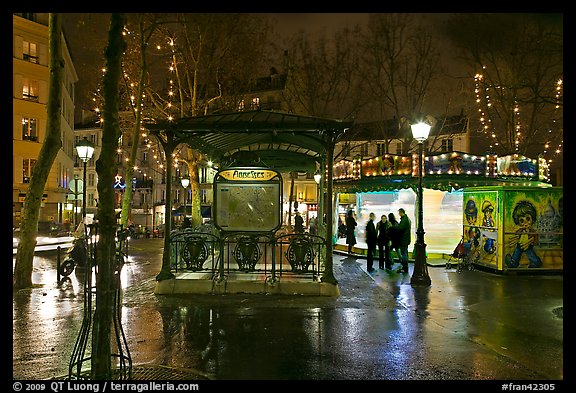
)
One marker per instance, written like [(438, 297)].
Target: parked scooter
[(76, 255)]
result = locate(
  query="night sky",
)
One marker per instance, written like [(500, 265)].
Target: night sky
[(81, 28)]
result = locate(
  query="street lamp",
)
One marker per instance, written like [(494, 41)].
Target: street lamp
[(420, 274), (85, 150), (317, 177), (185, 183)]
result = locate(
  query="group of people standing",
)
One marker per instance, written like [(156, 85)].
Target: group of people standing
[(387, 235)]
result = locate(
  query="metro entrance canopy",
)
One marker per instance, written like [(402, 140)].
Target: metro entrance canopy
[(283, 142)]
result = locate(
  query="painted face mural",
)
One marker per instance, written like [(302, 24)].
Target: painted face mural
[(524, 216), (471, 212)]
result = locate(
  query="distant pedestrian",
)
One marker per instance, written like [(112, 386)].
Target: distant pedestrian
[(341, 227), (350, 231), (371, 241), (405, 227), (313, 222), (394, 236), (298, 223), (382, 228)]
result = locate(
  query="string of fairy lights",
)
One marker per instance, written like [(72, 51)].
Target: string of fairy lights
[(170, 110), (483, 96), (559, 91)]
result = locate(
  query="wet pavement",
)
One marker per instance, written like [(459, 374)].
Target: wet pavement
[(471, 325)]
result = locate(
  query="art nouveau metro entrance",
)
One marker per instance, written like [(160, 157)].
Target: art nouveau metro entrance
[(238, 248)]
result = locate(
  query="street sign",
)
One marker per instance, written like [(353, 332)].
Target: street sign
[(76, 186), (72, 197)]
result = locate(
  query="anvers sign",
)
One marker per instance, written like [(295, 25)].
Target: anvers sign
[(248, 174)]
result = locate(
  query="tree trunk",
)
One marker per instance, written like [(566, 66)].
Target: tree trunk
[(52, 143), (106, 246), (129, 191), (192, 160), (196, 194)]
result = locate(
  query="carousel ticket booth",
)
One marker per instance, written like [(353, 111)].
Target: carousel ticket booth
[(509, 228)]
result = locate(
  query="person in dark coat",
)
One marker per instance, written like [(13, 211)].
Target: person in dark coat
[(382, 228), (394, 236), (371, 241), (350, 231), (405, 228), (298, 223)]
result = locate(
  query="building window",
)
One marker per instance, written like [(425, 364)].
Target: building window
[(144, 157), (90, 199), (30, 89), (447, 145), (29, 129), (241, 106), (29, 52), (203, 175), (380, 149), (27, 166), (364, 150), (399, 148), (91, 178)]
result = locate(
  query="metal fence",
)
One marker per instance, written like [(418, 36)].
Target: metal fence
[(271, 255)]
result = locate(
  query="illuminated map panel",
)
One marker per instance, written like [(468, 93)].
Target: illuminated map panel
[(245, 206)]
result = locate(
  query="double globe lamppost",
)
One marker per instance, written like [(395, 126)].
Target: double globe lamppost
[(85, 150), (420, 276)]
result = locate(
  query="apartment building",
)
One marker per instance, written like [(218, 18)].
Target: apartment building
[(31, 76)]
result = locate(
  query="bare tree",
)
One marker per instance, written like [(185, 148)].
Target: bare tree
[(518, 63), (400, 61), (147, 25), (213, 60), (52, 144), (323, 78)]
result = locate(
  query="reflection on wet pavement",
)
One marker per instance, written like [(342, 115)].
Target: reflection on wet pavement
[(471, 325)]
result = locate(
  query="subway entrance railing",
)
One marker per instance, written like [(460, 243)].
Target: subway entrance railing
[(270, 256)]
